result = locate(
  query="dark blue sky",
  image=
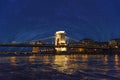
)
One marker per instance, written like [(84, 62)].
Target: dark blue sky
[(22, 20)]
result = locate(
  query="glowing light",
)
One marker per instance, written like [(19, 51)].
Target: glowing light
[(84, 57), (81, 49), (60, 40), (32, 58), (46, 59), (62, 61), (116, 59), (13, 61), (106, 59)]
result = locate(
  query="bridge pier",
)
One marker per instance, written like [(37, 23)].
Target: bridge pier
[(60, 40), (36, 49)]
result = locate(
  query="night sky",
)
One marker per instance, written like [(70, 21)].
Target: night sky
[(22, 20)]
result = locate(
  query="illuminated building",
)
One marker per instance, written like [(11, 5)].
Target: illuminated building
[(114, 43)]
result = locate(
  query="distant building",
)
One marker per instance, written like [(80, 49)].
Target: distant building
[(114, 43), (103, 44), (87, 42)]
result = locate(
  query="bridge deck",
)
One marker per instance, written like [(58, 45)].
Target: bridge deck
[(49, 46)]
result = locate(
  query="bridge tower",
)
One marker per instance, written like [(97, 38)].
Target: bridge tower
[(36, 49), (60, 40)]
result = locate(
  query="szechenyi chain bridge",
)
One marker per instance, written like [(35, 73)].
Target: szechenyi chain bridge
[(59, 43)]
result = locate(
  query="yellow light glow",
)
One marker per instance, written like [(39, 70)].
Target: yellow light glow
[(32, 58), (13, 61), (62, 61), (46, 59), (84, 57), (106, 59), (116, 59), (81, 49)]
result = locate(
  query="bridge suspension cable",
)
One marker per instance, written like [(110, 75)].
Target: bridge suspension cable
[(42, 39), (69, 38), (51, 39)]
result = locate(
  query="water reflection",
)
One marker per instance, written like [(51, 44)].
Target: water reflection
[(117, 63), (105, 59), (61, 62), (32, 58), (84, 57), (46, 59), (13, 61), (89, 66), (116, 59), (69, 64)]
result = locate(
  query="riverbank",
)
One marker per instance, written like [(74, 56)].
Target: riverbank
[(54, 53)]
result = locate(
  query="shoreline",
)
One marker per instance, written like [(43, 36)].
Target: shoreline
[(55, 53)]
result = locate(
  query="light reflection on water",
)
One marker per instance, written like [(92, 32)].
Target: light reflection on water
[(54, 67), (13, 60)]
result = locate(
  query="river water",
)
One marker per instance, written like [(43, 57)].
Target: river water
[(60, 67)]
